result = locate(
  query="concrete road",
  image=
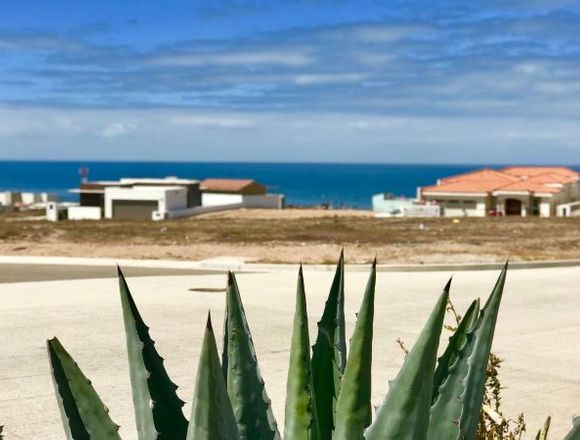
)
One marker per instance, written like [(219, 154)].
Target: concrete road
[(18, 273), (538, 335)]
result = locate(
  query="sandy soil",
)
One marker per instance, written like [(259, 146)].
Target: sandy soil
[(537, 336), (294, 235)]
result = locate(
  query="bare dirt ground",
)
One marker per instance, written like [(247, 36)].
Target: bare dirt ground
[(294, 235)]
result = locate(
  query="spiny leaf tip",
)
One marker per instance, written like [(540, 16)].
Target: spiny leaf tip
[(448, 285), (208, 324)]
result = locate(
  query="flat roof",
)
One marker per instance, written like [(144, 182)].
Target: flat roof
[(151, 188), (169, 179)]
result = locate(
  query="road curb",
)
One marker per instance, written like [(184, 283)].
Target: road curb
[(241, 266)]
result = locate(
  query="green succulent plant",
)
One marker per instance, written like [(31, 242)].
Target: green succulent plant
[(328, 395)]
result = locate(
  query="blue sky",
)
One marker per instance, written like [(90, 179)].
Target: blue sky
[(301, 81)]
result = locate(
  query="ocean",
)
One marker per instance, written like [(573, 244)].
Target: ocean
[(338, 185)]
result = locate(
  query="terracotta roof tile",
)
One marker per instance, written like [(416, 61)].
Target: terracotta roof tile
[(535, 171), (529, 179)]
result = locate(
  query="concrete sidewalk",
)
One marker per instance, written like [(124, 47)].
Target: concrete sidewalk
[(538, 335)]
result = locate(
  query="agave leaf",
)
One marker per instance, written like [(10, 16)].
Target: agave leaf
[(404, 414), (456, 411), (543, 433), (353, 410), (158, 413), (574, 434), (329, 353), (456, 341), (245, 385), (212, 416), (301, 420), (84, 416)]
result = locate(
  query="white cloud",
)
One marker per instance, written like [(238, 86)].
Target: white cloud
[(117, 129), (175, 134), (216, 121), (380, 33), (282, 58), (38, 42), (329, 78)]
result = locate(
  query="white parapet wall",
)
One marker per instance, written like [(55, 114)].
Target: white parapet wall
[(422, 211), (215, 199), (268, 201), (85, 213), (55, 212), (192, 212)]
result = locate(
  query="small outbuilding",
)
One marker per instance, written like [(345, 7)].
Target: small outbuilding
[(246, 193)]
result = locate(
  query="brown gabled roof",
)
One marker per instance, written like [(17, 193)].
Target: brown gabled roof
[(226, 185)]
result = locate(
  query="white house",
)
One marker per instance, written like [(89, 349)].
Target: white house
[(169, 197)]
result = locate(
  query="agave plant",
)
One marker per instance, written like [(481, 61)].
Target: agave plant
[(328, 394)]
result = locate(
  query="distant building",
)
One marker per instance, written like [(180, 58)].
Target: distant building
[(247, 192), (24, 200), (386, 205), (514, 191), (170, 197), (145, 202), (135, 198)]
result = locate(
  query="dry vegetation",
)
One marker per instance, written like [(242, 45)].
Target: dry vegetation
[(281, 236)]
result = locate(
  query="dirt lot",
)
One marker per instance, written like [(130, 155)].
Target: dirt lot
[(293, 235)]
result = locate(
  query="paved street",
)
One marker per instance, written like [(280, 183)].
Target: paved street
[(538, 335), (18, 273)]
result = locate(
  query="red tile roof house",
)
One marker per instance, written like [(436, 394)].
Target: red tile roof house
[(521, 191)]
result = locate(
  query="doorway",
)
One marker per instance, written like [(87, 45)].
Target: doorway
[(513, 207)]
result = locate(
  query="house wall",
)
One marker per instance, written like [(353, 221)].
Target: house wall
[(92, 199), (219, 199), (568, 209), (390, 205), (461, 205), (193, 195), (6, 198), (196, 210), (84, 213), (54, 212), (267, 201), (546, 207), (168, 198), (174, 199)]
